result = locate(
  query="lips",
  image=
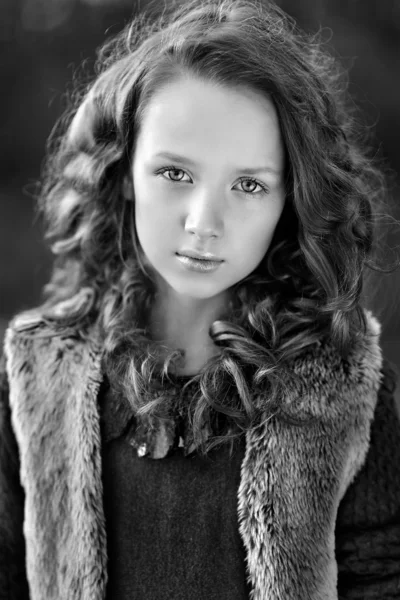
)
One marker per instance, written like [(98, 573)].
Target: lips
[(199, 265), (200, 256)]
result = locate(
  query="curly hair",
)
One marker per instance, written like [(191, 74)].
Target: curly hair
[(307, 289)]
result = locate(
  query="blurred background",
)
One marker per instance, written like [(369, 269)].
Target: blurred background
[(43, 42)]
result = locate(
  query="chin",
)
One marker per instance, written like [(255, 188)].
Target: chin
[(200, 290)]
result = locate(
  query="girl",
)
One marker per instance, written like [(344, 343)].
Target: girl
[(200, 407)]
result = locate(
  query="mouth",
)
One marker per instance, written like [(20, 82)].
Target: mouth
[(200, 257), (202, 265)]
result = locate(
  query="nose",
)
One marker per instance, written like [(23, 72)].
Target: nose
[(204, 217)]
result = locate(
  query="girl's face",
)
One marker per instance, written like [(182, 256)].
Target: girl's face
[(207, 177)]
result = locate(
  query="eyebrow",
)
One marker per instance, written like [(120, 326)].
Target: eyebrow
[(247, 170)]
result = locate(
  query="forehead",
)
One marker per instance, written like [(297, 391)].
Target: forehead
[(192, 114)]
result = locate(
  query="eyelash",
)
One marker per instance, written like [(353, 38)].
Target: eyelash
[(263, 187)]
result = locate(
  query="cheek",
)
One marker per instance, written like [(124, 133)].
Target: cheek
[(254, 236), (154, 220)]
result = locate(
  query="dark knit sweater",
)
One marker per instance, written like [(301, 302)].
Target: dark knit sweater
[(172, 525), (368, 520)]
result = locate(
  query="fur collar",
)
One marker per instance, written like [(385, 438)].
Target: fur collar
[(292, 479)]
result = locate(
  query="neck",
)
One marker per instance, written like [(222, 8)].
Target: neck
[(183, 322)]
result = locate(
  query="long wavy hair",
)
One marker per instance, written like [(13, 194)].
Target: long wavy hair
[(307, 289)]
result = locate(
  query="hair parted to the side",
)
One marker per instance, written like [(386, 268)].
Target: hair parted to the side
[(307, 288)]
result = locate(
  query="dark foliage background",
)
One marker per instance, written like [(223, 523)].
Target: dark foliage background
[(43, 42)]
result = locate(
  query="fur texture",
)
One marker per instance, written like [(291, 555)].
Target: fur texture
[(292, 479)]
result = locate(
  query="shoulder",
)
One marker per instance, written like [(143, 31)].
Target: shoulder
[(33, 326), (50, 369), (29, 332), (330, 386), (33, 345)]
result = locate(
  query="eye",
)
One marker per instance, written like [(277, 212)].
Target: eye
[(173, 173), (253, 185)]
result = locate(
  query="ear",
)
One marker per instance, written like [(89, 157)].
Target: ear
[(127, 188)]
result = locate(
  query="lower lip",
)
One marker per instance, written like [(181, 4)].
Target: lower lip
[(202, 266)]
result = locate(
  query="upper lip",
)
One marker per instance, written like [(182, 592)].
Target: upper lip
[(199, 255)]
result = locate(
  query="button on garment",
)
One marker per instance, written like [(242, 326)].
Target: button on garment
[(172, 525)]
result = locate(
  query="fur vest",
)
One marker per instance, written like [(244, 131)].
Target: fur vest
[(292, 478)]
